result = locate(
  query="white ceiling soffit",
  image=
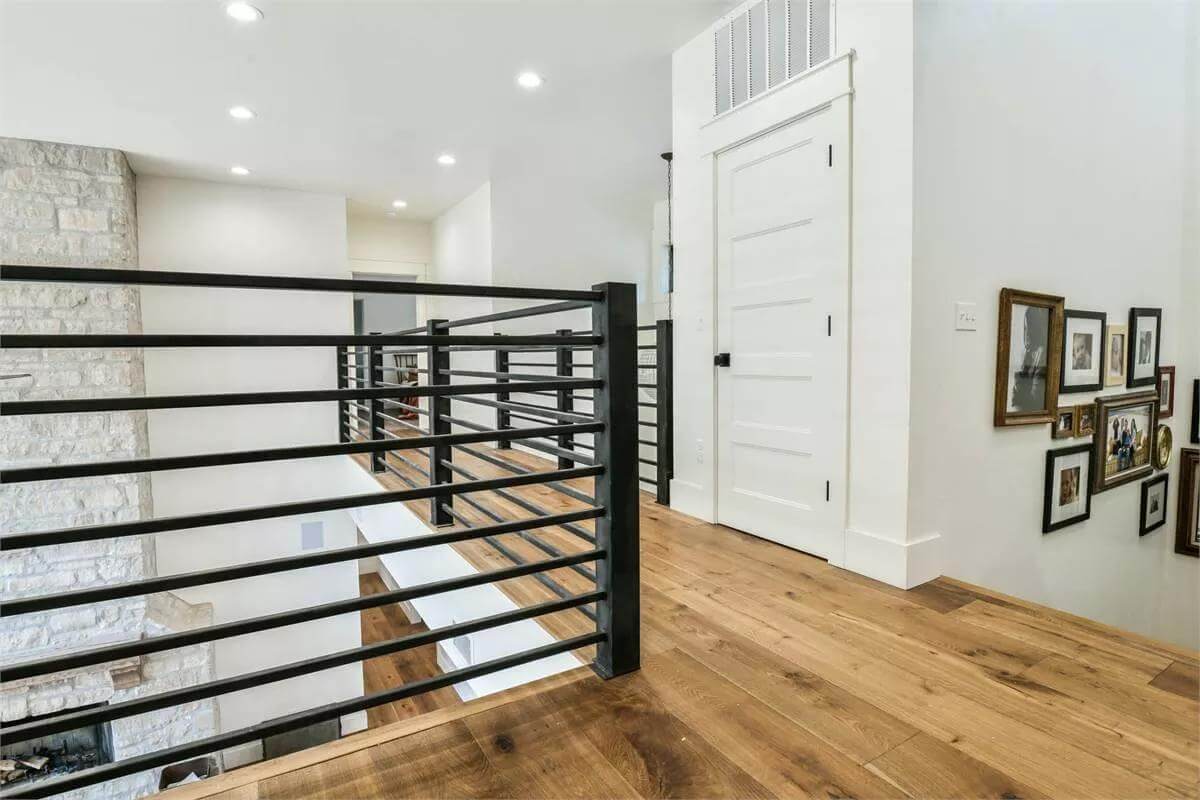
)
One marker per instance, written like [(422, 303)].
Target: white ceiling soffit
[(352, 98)]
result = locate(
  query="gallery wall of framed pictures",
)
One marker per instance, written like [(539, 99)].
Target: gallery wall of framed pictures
[(1047, 353)]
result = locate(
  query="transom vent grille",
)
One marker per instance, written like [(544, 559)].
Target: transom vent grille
[(771, 41)]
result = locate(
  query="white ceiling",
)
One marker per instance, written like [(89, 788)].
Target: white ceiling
[(352, 98)]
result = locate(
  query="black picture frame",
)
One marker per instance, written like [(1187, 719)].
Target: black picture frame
[(1069, 314), (1084, 485), (1146, 487), (1131, 346)]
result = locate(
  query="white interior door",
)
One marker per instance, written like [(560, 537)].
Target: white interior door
[(782, 303)]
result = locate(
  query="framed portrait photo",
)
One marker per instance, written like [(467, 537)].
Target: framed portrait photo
[(1115, 340), (1166, 391), (1144, 333), (1154, 505), (1187, 521), (1028, 358), (1064, 424), (1083, 351), (1068, 497), (1124, 440), (1085, 419)]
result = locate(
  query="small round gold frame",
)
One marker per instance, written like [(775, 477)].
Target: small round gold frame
[(1163, 442)]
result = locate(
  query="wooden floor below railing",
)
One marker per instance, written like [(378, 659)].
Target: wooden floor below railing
[(769, 673)]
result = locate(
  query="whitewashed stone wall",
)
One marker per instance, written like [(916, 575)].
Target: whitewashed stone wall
[(75, 206)]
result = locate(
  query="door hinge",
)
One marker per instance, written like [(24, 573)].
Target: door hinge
[(831, 155), (721, 360), (826, 491)]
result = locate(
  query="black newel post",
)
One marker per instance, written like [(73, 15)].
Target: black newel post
[(502, 418), (564, 360), (439, 410), (343, 382), (614, 319), (664, 412), (375, 404)]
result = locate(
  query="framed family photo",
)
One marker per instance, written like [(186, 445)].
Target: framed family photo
[(1145, 325), (1114, 355), (1166, 391), (1083, 351), (1187, 521), (1124, 441), (1028, 358), (1068, 498), (1154, 505)]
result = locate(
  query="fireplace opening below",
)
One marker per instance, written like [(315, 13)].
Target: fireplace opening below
[(56, 754)]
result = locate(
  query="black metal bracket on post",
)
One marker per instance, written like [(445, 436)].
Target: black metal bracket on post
[(439, 423), (563, 362), (502, 419), (614, 319), (343, 382), (375, 404), (664, 411)]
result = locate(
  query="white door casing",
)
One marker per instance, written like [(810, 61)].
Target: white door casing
[(783, 233)]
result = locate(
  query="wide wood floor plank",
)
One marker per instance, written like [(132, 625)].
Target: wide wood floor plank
[(924, 767), (1181, 678)]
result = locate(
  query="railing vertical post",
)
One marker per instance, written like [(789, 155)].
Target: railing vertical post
[(439, 409), (375, 404), (564, 361), (343, 382), (502, 418), (664, 412), (614, 319)]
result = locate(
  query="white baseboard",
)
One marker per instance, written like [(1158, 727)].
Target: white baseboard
[(901, 564)]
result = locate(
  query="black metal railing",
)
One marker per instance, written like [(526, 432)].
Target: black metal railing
[(383, 413)]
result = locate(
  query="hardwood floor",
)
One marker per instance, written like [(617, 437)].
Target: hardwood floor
[(385, 672), (769, 673)]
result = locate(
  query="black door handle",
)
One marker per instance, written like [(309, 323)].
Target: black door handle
[(721, 359)]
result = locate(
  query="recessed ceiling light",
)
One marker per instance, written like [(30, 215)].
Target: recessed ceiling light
[(240, 171), (243, 12), (446, 160), (529, 80), (241, 112), (399, 204)]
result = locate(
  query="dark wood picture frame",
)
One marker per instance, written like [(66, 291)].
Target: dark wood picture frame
[(1188, 515), (1101, 345), (1002, 417), (1143, 529), (1085, 486), (1131, 347), (1085, 411), (1165, 409), (1069, 433), (1105, 406), (1195, 436)]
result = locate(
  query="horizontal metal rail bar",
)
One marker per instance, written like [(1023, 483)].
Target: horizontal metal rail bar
[(424, 473), (647, 347), (518, 313), (190, 694), (166, 583), (15, 541), (281, 619), (649, 461), (17, 341), (302, 719), (648, 480), (646, 327), (62, 471), (536, 509), (553, 413), (562, 488), (512, 376), (392, 469), (25, 407), (216, 280), (578, 458), (648, 442)]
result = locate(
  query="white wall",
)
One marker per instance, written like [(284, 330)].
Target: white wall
[(1056, 143), (209, 227), (371, 238), (879, 73)]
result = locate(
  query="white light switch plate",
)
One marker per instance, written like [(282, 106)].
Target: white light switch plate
[(964, 317)]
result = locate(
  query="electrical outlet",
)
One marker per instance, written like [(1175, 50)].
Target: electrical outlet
[(699, 451), (964, 317)]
